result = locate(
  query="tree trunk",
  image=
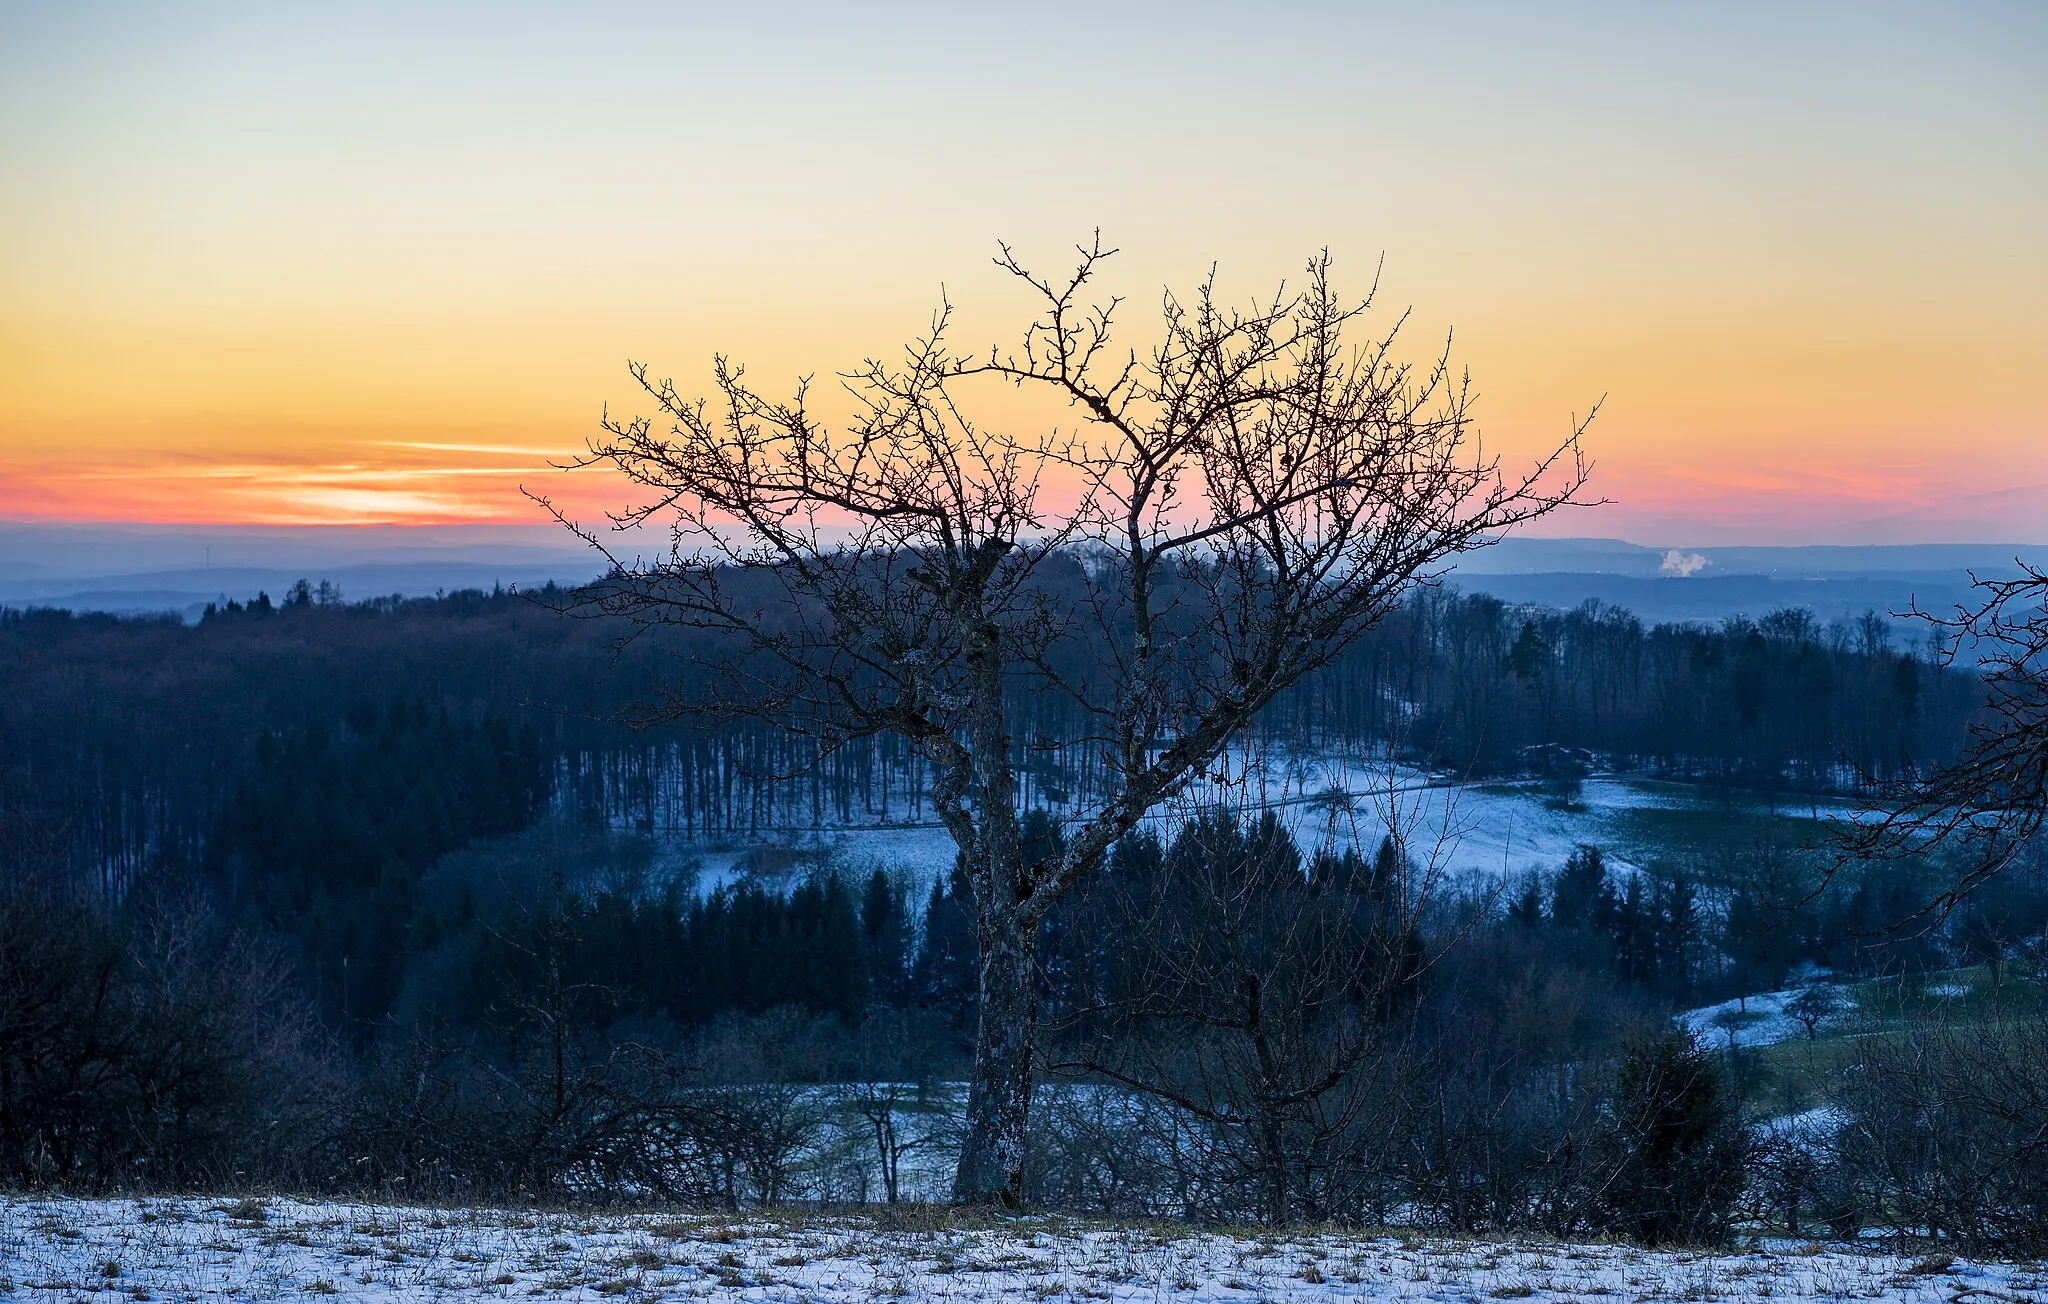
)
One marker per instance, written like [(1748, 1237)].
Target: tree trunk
[(1273, 1157), (999, 1095)]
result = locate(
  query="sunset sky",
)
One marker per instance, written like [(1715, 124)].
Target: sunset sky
[(290, 263)]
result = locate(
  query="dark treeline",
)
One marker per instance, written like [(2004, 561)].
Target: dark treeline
[(326, 839), (143, 733), (1473, 685), (1706, 931)]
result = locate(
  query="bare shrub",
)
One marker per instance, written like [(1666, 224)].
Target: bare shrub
[(1251, 991), (150, 1047), (891, 1096), (1947, 1128)]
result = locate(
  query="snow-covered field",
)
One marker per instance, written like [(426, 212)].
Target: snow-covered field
[(198, 1249), (1470, 835), (1758, 1020)]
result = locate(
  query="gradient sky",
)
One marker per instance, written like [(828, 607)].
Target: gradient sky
[(290, 263)]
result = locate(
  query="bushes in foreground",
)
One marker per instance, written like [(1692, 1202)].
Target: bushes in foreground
[(1943, 1130), (150, 1049), (1248, 1036)]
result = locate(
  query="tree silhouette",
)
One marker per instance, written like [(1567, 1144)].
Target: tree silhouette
[(1234, 507)]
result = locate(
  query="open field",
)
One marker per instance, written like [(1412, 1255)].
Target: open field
[(193, 1249), (1472, 835)]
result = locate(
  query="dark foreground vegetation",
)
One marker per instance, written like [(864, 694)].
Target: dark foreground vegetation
[(382, 896)]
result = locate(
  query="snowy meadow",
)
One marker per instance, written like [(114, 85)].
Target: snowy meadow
[(198, 1249)]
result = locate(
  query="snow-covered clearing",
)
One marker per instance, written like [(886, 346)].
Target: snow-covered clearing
[(1809, 1128), (1767, 1018), (194, 1249), (1470, 836), (1758, 1020)]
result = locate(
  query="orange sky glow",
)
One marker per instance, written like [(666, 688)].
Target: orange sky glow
[(271, 265)]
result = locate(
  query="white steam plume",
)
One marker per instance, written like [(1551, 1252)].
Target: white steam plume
[(1682, 565)]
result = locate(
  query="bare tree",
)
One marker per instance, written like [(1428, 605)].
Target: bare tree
[(890, 1092), (1234, 507), (1814, 1004), (1988, 805), (1254, 993)]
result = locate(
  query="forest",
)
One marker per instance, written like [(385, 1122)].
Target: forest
[(385, 895), (141, 736)]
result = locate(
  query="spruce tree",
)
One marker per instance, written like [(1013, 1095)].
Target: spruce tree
[(885, 939), (1681, 1149), (1527, 909), (1581, 897)]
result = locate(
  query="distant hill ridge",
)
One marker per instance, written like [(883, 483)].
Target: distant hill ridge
[(142, 568)]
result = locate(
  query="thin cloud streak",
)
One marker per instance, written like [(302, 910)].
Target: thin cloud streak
[(189, 490)]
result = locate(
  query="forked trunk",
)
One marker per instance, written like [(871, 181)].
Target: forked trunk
[(999, 1095)]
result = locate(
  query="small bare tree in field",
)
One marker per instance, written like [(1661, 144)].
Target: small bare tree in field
[(1236, 505)]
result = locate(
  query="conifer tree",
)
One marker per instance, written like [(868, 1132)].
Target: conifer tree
[(1582, 898), (885, 938)]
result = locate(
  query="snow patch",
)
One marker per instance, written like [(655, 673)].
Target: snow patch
[(1758, 1020), (189, 1249)]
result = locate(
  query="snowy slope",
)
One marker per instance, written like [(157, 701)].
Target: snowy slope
[(1470, 835), (1757, 1020), (192, 1250)]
